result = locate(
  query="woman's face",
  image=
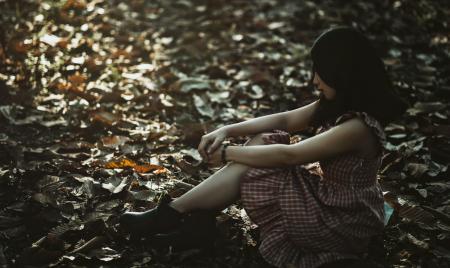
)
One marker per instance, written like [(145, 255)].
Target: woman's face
[(328, 92)]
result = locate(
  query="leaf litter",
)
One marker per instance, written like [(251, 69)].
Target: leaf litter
[(103, 104)]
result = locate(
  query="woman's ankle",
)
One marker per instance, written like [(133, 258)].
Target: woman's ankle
[(177, 206)]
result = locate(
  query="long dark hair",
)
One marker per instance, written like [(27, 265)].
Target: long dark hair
[(346, 61)]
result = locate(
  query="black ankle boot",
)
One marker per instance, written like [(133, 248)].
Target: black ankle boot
[(161, 219), (199, 230)]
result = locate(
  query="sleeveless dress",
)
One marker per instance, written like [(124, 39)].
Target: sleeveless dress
[(313, 214)]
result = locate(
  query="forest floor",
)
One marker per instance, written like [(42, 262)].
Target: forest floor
[(103, 104)]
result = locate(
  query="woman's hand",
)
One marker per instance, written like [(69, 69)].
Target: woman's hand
[(210, 142), (215, 158)]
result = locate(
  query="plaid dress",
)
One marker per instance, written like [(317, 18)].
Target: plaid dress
[(313, 214)]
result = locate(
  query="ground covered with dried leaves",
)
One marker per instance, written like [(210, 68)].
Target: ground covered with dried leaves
[(103, 104)]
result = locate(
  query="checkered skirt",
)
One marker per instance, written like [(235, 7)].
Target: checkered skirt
[(309, 215)]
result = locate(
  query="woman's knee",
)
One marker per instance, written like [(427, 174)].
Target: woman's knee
[(256, 140), (281, 137)]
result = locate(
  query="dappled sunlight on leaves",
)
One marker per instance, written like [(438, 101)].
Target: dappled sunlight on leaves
[(145, 168), (103, 104)]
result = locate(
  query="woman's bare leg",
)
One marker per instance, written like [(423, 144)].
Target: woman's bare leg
[(219, 190)]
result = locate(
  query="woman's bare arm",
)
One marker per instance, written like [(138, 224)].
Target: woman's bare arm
[(298, 119), (352, 135), (257, 125), (290, 121)]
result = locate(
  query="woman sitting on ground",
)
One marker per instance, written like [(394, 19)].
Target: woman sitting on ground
[(316, 201)]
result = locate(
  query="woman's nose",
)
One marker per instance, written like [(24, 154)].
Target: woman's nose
[(315, 80)]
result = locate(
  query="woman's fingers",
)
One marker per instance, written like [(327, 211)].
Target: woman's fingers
[(201, 148), (213, 146)]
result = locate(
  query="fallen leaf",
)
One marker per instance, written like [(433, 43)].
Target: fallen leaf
[(186, 85), (105, 254), (415, 213), (144, 195), (20, 46), (256, 92), (90, 245), (114, 184), (45, 250), (426, 107), (203, 107), (45, 199), (418, 243), (106, 118), (114, 141), (416, 170), (77, 79), (74, 4), (50, 39), (123, 163), (150, 167)]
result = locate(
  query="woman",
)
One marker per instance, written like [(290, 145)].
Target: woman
[(316, 201)]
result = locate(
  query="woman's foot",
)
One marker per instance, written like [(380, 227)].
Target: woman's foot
[(164, 226), (161, 219)]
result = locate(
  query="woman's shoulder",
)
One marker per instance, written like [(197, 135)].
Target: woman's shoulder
[(369, 120), (372, 123)]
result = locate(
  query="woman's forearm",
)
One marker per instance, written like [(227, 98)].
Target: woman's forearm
[(257, 125), (262, 156)]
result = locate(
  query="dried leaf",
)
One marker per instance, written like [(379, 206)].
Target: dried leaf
[(105, 118), (74, 4), (81, 178), (61, 229), (256, 92), (416, 170), (192, 153), (45, 199), (90, 245), (108, 205), (45, 250), (77, 79), (438, 187), (50, 39), (124, 163), (203, 107), (187, 167), (105, 254), (418, 243), (150, 167), (114, 184), (415, 213), (114, 141), (186, 85), (20, 46), (144, 168), (144, 195), (426, 107)]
